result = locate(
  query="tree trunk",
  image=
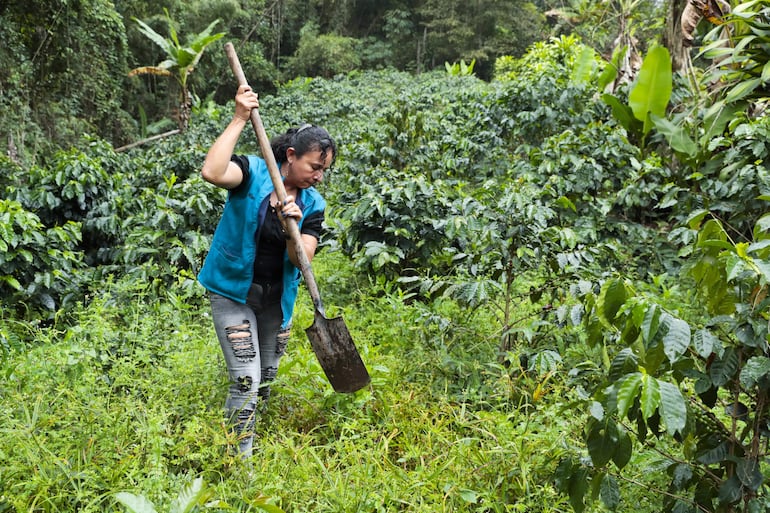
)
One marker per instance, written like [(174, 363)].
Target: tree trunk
[(672, 35), (421, 49), (185, 110)]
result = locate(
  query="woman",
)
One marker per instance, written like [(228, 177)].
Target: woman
[(250, 273)]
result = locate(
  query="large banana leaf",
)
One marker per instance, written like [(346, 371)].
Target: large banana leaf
[(652, 91)]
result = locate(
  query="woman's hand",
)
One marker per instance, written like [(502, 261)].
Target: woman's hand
[(289, 208), (309, 242), (245, 100)]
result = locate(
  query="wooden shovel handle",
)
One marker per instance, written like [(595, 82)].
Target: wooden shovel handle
[(267, 153)]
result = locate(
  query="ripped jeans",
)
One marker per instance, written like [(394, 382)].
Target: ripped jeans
[(252, 344)]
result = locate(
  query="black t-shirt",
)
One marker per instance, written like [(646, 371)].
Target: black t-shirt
[(268, 264)]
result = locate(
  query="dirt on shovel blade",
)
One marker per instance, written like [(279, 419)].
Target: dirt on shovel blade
[(337, 354)]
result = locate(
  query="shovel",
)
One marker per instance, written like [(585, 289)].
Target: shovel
[(329, 338)]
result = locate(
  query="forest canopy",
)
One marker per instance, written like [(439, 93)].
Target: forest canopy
[(70, 60)]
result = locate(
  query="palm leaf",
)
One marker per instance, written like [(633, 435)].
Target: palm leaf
[(150, 70), (154, 36)]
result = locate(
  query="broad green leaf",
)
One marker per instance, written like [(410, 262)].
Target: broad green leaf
[(469, 496), (723, 369), (270, 508), (156, 38), (563, 474), (711, 46), (677, 338), (734, 267), (762, 225), (135, 503), (602, 442), (652, 91), (10, 280), (763, 267), (681, 476), (608, 76), (192, 495), (578, 485), (622, 113), (654, 357), (612, 296), (546, 361), (565, 202), (676, 135), (716, 455), (712, 230), (716, 118), (749, 474), (610, 493), (705, 343), (624, 450), (695, 218), (715, 243), (757, 247), (596, 485), (756, 506), (627, 391), (650, 323), (756, 368), (673, 409), (625, 362), (610, 72), (650, 398), (730, 491), (596, 410), (742, 89), (584, 66)]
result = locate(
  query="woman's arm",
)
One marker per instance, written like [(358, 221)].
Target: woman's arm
[(217, 168), (309, 242)]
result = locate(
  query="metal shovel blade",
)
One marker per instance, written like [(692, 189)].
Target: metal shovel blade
[(337, 353)]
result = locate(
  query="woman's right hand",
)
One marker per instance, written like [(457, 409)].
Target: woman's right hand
[(245, 100)]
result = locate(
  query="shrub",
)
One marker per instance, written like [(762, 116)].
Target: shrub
[(323, 55)]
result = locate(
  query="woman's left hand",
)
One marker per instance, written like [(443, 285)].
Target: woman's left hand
[(289, 208)]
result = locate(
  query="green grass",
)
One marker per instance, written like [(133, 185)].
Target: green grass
[(127, 396)]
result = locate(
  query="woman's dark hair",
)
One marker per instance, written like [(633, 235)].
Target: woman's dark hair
[(304, 139)]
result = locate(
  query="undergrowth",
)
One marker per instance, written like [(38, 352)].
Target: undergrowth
[(126, 397)]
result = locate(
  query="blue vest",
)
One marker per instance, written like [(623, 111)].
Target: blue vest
[(229, 266)]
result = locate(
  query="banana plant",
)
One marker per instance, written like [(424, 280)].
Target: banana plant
[(648, 96), (181, 60), (647, 104), (740, 49), (460, 69)]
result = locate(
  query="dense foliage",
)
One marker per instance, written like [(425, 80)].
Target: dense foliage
[(69, 63), (558, 279)]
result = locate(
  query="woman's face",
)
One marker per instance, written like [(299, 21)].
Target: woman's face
[(307, 170)]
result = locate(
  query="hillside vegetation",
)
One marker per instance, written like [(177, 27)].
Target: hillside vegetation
[(559, 288)]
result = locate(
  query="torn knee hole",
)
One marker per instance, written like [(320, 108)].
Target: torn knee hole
[(244, 383), (282, 340), (268, 374), (241, 341), (245, 421)]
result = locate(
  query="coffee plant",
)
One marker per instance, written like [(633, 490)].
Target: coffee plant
[(687, 381)]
